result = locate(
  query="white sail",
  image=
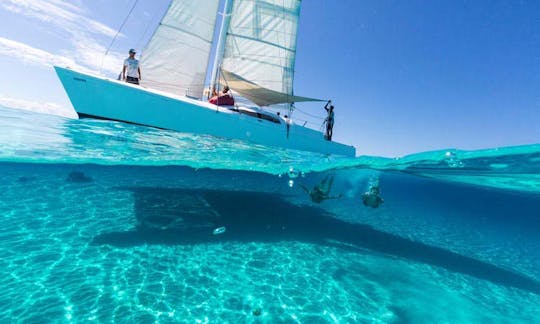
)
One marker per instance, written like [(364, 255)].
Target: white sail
[(176, 58), (261, 42)]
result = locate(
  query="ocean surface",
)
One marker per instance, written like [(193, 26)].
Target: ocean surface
[(110, 222)]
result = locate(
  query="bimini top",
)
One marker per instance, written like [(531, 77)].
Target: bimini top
[(259, 95)]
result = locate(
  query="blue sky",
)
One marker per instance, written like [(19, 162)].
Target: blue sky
[(405, 76)]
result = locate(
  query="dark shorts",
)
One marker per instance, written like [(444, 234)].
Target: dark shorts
[(132, 80)]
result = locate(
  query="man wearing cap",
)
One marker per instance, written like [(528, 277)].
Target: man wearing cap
[(131, 66)]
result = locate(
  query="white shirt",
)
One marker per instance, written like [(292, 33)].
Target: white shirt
[(132, 66)]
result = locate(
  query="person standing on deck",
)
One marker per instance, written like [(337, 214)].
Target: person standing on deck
[(132, 67), (329, 120)]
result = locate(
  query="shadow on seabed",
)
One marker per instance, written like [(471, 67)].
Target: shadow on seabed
[(183, 216)]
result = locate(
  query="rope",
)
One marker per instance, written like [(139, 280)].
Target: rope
[(139, 42), (310, 115), (117, 33)]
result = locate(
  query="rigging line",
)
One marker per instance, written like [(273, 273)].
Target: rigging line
[(174, 84), (310, 115), (118, 32), (139, 42)]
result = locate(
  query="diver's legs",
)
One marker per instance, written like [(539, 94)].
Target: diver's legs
[(330, 184)]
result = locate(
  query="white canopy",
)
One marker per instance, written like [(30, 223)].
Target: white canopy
[(257, 94)]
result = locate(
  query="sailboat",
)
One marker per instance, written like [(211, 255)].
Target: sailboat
[(253, 54)]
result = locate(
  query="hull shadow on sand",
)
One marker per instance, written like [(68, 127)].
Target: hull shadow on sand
[(183, 216)]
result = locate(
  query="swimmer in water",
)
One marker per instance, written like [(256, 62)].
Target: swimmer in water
[(371, 197), (321, 191)]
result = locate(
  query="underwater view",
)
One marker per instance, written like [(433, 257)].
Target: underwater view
[(111, 222)]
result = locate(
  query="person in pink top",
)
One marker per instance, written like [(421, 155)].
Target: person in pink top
[(224, 98)]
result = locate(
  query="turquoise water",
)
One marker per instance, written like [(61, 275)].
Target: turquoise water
[(104, 221)]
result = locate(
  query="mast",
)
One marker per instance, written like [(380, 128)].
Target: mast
[(220, 48)]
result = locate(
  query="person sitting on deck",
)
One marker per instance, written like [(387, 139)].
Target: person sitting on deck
[(224, 98)]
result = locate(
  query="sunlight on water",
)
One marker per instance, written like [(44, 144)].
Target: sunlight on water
[(43, 138), (109, 222)]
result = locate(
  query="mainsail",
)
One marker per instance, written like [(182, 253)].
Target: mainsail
[(176, 58), (261, 45)]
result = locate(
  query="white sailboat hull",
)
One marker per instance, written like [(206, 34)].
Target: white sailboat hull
[(103, 98)]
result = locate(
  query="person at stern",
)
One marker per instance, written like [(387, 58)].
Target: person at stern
[(131, 68), (329, 121)]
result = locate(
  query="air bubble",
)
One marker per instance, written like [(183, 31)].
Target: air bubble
[(293, 173), (452, 160)]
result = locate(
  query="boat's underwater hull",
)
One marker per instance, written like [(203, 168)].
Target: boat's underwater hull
[(103, 98)]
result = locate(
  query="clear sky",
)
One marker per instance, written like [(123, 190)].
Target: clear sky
[(405, 76)]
